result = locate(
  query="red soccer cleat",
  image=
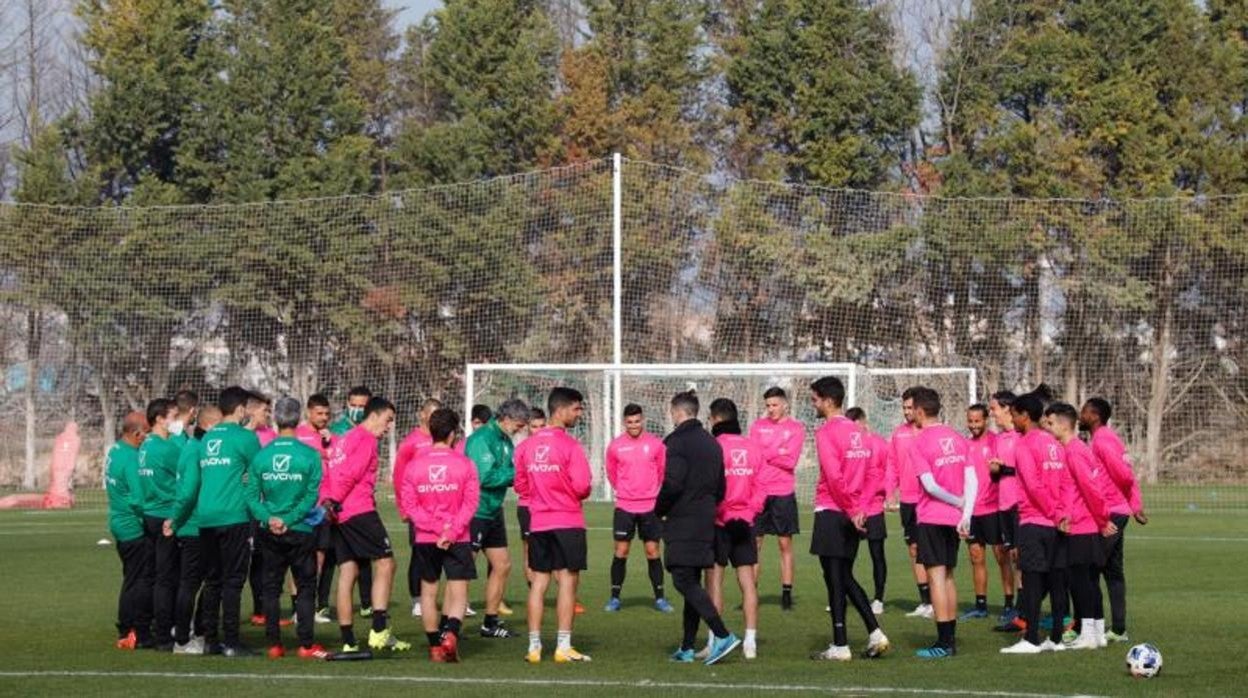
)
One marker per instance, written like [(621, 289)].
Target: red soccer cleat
[(276, 652), (579, 608), (313, 652), (128, 642), (450, 647), (257, 619), (286, 622), (437, 655)]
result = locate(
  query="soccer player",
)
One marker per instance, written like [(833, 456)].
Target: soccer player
[(693, 487), (946, 503), (1089, 526), (416, 441), (158, 477), (552, 474), (537, 421), (490, 449), (906, 485), (481, 415), (734, 520), (214, 492), (1040, 466), (1001, 470), (187, 617), (353, 412), (258, 414), (441, 493), (986, 519), (843, 492), (125, 522), (877, 529), (188, 411), (315, 434), (634, 465), (360, 538), (283, 485), (781, 438), (1124, 501)]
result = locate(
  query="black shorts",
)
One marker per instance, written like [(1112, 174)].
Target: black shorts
[(834, 535), (522, 517), (561, 549), (362, 538), (779, 516), (647, 526), (1085, 549), (1008, 522), (1037, 547), (877, 528), (324, 533), (488, 533), (455, 562), (986, 529), (735, 544), (938, 545), (910, 523)]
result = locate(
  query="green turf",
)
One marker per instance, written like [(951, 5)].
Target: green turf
[(1185, 573)]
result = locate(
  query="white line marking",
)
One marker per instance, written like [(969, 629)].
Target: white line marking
[(645, 683), (1189, 539)]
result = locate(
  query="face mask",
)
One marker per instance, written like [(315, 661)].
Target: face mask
[(355, 414), (176, 428)]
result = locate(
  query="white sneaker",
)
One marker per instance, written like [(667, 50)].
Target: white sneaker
[(1022, 647), (877, 607), (1085, 641), (322, 617), (827, 609), (1050, 646), (923, 610), (750, 649), (195, 645), (468, 612), (877, 644), (416, 608), (834, 654)]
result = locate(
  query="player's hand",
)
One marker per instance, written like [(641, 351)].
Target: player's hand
[(891, 503), (994, 466), (964, 528), (860, 522), (1110, 530), (1141, 518), (1064, 525), (444, 543), (331, 510), (166, 528), (276, 526)]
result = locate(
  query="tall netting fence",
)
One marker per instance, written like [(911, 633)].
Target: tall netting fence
[(1140, 301)]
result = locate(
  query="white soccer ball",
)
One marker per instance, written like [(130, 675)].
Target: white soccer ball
[(1144, 661)]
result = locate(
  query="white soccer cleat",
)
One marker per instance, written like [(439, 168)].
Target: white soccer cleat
[(416, 609), (923, 610), (1022, 647), (750, 649), (1050, 646), (877, 607), (468, 612), (834, 654), (1085, 641), (877, 644), (322, 617), (195, 645)]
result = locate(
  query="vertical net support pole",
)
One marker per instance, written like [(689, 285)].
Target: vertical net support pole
[(851, 390), (617, 258), (469, 390), (610, 398)]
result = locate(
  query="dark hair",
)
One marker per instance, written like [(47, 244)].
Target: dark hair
[(253, 396), (377, 404), (1029, 405), (856, 414), (1101, 407), (481, 413), (980, 408), (1005, 398), (536, 413), (231, 399), (725, 410), (829, 388), (908, 393), (186, 399), (158, 408), (442, 423), (1063, 410), (775, 391), (1044, 392), (563, 397), (686, 401), (359, 391), (632, 409), (318, 400), (927, 400)]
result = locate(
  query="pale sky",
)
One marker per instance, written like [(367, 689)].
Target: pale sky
[(411, 11)]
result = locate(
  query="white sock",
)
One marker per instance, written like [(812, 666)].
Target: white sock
[(1100, 628), (564, 641), (751, 636), (1087, 628), (710, 639), (535, 641)]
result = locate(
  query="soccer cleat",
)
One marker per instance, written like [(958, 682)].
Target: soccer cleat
[(313, 652), (1083, 641), (1046, 623), (833, 654), (682, 656), (570, 655), (923, 610), (195, 645), (504, 609), (974, 614), (416, 608), (385, 640), (786, 603), (827, 609), (663, 606), (935, 652), (1050, 646), (236, 651), (877, 645), (499, 630), (145, 643), (450, 647), (1022, 647), (722, 647), (534, 656), (128, 642), (877, 607), (468, 612), (1069, 637), (1005, 621), (322, 617), (613, 605), (348, 649), (437, 655), (580, 608), (366, 611), (258, 619), (750, 650), (276, 652), (1112, 636)]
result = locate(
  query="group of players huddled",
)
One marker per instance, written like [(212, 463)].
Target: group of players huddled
[(204, 500)]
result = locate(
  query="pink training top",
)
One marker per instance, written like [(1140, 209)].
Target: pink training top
[(553, 473), (635, 470), (907, 481), (1007, 486), (312, 439), (1041, 464), (781, 443), (1108, 449), (353, 473), (265, 435), (440, 492), (743, 461), (417, 441), (979, 452), (874, 490), (1088, 511), (844, 459), (941, 451)]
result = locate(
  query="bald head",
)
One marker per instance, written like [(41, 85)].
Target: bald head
[(134, 427)]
